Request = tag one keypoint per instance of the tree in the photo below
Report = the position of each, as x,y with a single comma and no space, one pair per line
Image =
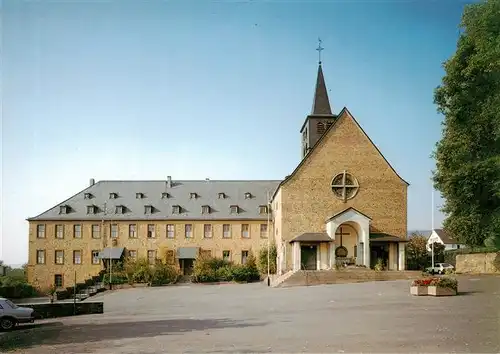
468,155
417,256
273,254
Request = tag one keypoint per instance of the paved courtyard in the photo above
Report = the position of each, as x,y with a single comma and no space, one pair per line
366,317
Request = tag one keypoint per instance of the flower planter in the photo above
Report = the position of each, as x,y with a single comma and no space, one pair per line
440,291
419,290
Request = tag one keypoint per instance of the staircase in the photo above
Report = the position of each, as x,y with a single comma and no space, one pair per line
344,276
88,288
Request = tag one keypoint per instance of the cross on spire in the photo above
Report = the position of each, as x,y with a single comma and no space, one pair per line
319,49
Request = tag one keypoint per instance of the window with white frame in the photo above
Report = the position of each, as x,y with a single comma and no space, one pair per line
245,230
40,231
244,257
151,231
59,257
151,256
96,231
188,230
59,231
113,230
77,257
132,231
40,256
226,231
95,257
207,231
77,231
263,230
170,231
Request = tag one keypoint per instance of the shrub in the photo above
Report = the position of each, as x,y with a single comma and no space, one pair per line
445,282
210,269
163,274
273,254
379,266
116,278
16,288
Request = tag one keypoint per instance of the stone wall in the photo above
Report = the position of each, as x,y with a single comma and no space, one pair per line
478,263
62,309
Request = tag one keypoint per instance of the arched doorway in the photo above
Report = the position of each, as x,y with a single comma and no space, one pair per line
346,244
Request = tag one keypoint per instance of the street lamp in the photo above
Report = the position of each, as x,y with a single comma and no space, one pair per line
105,212
268,240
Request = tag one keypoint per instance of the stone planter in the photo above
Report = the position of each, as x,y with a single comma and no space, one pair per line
419,290
440,291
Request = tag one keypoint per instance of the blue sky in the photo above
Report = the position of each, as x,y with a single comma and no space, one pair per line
196,89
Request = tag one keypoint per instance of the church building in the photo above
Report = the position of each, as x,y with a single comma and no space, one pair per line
344,204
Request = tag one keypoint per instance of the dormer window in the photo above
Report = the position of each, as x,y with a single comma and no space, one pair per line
205,209
113,195
64,209
235,209
262,209
222,195
193,195
165,195
148,209
91,209
139,195
248,195
87,196
176,209
119,209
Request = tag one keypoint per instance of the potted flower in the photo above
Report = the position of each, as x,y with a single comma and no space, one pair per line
445,286
419,286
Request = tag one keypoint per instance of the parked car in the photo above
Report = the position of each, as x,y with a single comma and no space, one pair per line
11,314
440,268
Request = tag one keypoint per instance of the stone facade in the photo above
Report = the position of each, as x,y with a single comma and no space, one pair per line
42,275
305,201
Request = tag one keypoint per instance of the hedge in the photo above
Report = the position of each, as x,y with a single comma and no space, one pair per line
451,255
211,269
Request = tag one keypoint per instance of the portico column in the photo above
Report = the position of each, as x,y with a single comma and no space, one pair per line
331,250
366,246
402,255
296,256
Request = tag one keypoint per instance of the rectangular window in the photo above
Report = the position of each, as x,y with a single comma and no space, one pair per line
77,231
40,231
151,231
77,257
245,233
96,231
132,254
95,257
59,231
58,280
188,230
59,257
40,256
226,255
113,230
263,230
170,231
226,231
207,231
244,257
132,231
151,256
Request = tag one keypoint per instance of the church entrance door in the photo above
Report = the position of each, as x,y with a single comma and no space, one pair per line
379,252
308,257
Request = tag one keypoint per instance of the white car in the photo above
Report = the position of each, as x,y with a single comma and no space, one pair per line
11,314
440,268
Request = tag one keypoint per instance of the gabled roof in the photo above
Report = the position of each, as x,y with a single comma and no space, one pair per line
445,236
308,156
345,211
162,206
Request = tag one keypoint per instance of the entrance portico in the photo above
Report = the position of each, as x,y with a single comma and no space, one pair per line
361,224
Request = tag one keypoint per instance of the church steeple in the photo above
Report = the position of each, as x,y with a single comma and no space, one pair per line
321,104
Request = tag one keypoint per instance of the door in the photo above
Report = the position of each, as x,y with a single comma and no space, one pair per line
186,266
308,257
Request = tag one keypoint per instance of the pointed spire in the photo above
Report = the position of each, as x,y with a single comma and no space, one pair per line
321,104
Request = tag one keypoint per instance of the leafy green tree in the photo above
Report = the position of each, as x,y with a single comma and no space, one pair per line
417,256
468,154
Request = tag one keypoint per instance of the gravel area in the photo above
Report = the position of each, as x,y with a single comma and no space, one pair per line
364,317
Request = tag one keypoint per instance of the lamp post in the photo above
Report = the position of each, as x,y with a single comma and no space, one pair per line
432,228
105,211
268,241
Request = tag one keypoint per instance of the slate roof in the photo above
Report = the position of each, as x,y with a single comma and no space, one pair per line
179,193
445,237
312,237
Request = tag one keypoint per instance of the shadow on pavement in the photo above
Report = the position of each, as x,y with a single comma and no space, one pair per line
56,333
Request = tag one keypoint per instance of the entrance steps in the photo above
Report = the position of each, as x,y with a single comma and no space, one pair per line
343,276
